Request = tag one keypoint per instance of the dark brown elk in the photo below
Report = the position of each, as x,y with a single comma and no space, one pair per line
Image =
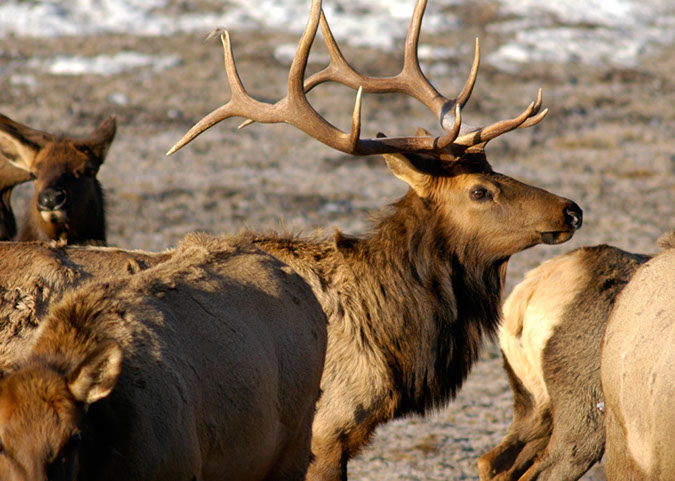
68,202
550,337
409,304
637,369
206,366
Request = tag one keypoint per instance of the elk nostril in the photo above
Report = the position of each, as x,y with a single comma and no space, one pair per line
50,199
574,216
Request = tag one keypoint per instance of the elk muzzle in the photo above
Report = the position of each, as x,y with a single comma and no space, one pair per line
573,219
52,203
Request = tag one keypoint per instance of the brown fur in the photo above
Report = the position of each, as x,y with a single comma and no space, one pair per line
68,202
35,275
637,371
550,337
223,349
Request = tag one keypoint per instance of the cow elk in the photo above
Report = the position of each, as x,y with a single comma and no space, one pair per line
550,337
409,304
68,202
205,366
637,369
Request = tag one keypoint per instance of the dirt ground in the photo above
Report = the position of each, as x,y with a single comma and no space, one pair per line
607,143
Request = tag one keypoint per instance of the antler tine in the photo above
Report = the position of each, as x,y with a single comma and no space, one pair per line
530,116
410,80
241,104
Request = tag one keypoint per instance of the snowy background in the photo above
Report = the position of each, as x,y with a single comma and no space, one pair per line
610,32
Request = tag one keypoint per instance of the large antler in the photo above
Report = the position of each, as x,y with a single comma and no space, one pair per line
296,110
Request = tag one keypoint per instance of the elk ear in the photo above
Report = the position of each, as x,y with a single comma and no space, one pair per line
403,168
20,144
98,142
97,375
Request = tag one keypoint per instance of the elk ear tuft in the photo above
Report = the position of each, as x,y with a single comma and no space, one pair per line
98,142
401,166
422,132
96,376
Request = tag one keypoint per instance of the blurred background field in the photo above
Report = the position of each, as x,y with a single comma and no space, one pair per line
606,68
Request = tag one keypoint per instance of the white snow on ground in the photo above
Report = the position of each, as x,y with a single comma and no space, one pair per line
608,32
596,32
108,64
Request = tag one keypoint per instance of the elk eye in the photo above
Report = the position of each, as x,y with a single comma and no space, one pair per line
75,440
479,193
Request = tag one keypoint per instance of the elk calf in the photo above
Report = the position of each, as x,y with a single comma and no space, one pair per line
638,373
408,304
68,202
205,366
550,337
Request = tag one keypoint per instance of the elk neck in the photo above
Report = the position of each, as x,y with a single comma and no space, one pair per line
410,289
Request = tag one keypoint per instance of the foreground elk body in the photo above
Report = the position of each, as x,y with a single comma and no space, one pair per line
550,337
205,366
35,275
638,373
408,305
68,202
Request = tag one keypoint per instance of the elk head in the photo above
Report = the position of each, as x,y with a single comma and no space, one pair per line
493,215
42,411
68,200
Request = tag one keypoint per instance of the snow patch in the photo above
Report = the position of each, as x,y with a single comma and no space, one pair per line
108,64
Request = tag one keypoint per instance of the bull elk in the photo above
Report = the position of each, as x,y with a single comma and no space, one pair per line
68,202
205,366
409,304
550,338
637,370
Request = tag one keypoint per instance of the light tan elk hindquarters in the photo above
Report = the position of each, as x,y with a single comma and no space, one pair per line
550,337
68,202
409,304
638,373
205,366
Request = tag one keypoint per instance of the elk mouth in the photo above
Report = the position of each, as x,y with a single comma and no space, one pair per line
556,237
56,216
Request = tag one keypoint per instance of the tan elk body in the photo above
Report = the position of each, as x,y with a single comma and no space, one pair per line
550,338
408,304
638,373
205,366
68,202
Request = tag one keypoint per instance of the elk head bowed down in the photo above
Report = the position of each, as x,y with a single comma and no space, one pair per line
68,202
409,304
